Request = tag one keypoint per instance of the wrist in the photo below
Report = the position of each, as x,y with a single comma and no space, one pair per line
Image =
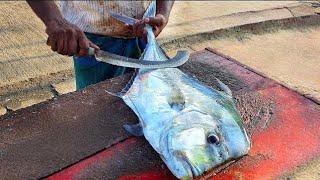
55,22
49,21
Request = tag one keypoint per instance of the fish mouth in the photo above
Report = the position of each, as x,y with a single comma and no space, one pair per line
195,171
192,170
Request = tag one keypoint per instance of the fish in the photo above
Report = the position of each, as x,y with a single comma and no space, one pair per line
193,127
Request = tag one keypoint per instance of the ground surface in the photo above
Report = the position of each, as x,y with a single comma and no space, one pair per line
279,39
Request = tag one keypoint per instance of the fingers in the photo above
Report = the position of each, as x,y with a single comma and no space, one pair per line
134,28
154,21
72,43
52,42
158,23
62,41
91,44
138,29
156,31
83,43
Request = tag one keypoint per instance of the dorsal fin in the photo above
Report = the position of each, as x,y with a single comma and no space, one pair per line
126,88
129,84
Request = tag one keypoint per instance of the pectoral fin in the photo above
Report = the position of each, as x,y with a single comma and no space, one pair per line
224,87
135,129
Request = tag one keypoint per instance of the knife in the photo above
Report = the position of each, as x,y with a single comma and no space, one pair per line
180,58
123,18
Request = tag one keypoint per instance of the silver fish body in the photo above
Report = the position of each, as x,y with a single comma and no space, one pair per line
193,127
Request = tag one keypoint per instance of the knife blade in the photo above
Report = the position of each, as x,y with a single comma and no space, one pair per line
180,58
123,18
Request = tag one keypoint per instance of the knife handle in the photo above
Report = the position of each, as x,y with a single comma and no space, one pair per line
91,51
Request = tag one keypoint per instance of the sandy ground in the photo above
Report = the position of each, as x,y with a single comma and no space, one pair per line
192,17
25,59
310,171
291,57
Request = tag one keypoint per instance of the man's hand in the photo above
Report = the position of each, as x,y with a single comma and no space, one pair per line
158,23
139,29
67,39
64,38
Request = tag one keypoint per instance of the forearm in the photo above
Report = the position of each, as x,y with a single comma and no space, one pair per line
47,11
164,7
63,37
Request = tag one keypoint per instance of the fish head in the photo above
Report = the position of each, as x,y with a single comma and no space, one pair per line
198,142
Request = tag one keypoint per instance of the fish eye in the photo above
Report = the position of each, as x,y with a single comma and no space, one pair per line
213,139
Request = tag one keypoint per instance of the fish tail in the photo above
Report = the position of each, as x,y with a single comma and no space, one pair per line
151,10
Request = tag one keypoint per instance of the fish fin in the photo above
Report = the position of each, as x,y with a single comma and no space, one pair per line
153,51
135,129
224,87
129,84
162,52
118,94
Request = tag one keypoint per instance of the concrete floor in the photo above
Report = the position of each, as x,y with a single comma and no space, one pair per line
193,17
25,60
291,57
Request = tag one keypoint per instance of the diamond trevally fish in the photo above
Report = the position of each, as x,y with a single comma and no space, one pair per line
193,127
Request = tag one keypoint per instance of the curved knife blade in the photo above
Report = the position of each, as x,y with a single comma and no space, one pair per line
180,58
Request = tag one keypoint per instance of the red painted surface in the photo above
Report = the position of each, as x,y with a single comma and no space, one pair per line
291,138
74,170
150,175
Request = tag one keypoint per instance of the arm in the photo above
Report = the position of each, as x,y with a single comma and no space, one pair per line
63,37
162,16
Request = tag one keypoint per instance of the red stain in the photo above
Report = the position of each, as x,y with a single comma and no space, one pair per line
72,171
291,139
150,175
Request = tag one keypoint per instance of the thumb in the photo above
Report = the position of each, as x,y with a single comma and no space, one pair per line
91,44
